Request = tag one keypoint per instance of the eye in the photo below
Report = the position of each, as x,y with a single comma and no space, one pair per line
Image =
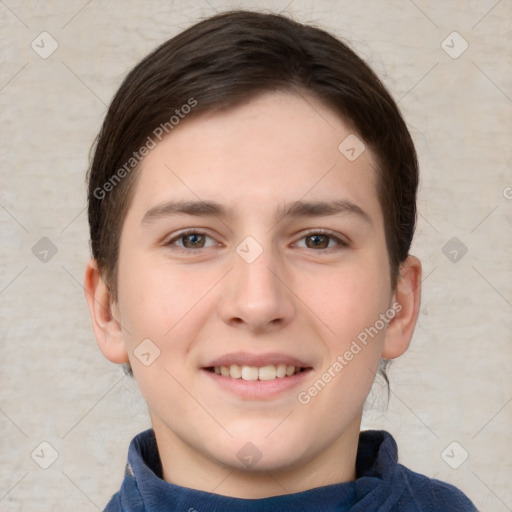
321,239
190,240
195,239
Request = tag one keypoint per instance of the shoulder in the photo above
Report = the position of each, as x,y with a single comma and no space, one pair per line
114,505
423,494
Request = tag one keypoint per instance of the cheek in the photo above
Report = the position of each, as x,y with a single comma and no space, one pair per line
164,302
158,304
351,306
155,300
349,298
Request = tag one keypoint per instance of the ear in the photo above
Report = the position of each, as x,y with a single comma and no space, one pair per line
103,311
406,303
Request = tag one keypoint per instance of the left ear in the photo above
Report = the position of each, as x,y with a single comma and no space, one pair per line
406,303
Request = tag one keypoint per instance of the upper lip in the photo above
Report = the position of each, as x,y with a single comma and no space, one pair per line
259,360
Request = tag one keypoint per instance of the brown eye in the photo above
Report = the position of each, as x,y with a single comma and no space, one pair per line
193,240
317,241
321,240
190,240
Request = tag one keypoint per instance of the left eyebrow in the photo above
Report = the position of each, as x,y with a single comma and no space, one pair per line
322,209
293,209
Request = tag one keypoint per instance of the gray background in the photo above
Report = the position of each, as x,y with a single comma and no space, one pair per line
454,383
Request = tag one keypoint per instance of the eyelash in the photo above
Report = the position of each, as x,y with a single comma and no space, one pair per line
342,244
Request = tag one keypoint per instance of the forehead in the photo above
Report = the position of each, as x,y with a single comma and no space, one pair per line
275,149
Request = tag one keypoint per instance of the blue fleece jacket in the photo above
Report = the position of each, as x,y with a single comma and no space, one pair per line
382,485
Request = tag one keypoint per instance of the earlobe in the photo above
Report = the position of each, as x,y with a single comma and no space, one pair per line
407,299
106,326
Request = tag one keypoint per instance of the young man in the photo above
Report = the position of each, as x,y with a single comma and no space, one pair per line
252,204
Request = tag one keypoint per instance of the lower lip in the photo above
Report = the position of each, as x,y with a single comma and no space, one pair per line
259,389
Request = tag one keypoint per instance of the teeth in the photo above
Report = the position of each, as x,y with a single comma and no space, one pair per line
235,371
268,372
281,370
248,372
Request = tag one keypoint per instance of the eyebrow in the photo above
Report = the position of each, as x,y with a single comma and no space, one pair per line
293,209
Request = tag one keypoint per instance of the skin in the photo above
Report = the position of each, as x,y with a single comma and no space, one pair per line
296,298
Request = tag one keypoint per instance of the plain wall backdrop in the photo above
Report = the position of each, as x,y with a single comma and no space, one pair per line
447,63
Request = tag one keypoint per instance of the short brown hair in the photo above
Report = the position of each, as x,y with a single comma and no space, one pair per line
228,59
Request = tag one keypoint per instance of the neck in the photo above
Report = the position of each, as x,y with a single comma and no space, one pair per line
186,466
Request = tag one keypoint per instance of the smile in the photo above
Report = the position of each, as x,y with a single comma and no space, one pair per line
261,376
267,372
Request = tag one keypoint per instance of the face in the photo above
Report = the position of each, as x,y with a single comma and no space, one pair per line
280,269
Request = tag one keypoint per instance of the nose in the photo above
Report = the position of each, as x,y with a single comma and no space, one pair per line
256,295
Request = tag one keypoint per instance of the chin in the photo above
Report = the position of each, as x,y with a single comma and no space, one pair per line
263,450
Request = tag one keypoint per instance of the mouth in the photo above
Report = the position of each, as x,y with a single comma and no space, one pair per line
251,373
257,376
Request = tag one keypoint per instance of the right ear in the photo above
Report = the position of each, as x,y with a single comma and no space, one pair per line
107,328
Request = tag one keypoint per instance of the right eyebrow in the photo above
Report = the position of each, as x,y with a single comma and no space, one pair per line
195,208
